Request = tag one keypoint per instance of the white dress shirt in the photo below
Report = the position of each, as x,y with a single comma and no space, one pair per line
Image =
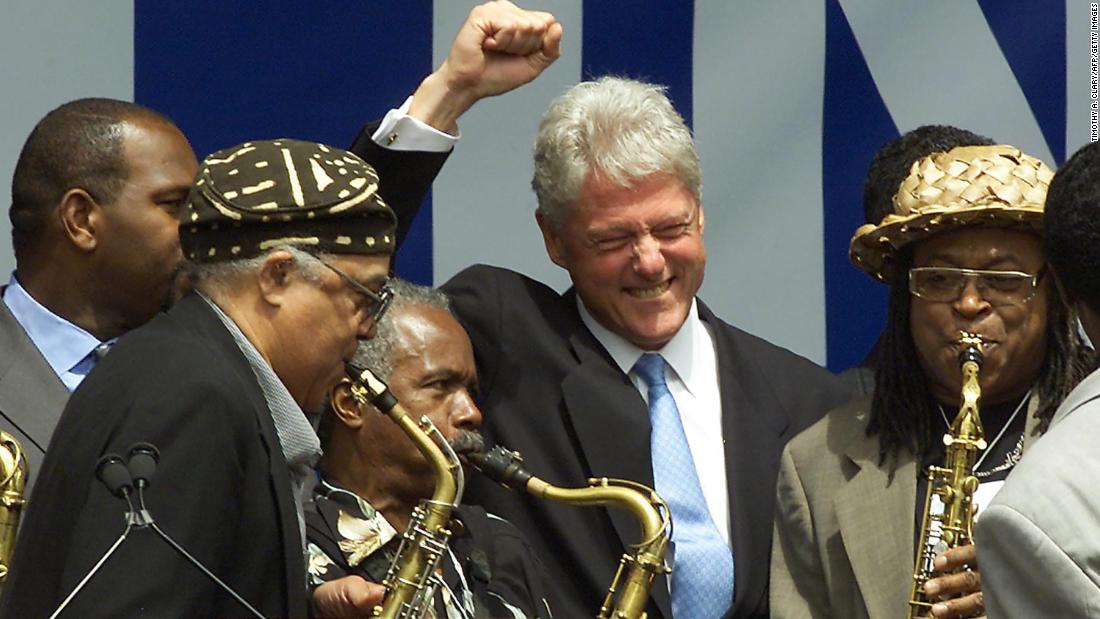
399,131
692,376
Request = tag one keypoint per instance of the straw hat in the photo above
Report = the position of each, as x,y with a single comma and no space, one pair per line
994,186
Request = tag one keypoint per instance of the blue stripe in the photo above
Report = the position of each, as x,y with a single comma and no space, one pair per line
228,72
856,124
1032,37
654,45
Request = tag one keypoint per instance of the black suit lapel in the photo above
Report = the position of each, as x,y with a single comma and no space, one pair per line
612,425
751,435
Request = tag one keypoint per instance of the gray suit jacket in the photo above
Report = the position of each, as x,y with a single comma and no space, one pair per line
844,530
31,395
1039,540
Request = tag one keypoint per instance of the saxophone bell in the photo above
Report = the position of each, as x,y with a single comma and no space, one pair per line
13,480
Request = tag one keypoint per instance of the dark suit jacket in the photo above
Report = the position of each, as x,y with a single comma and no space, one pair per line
221,489
552,392
31,395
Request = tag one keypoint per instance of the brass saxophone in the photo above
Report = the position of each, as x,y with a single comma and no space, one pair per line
954,482
412,579
636,570
13,479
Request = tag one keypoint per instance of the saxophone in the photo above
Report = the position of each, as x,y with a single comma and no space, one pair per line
954,482
13,478
412,579
636,570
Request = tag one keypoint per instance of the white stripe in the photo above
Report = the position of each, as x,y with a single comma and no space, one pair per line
292,174
483,207
937,62
758,120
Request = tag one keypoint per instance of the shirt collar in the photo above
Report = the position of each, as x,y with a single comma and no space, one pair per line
679,353
61,343
356,507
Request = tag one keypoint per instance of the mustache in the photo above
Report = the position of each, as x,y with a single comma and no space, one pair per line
468,441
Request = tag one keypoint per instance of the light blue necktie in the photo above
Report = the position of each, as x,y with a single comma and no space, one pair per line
702,577
85,365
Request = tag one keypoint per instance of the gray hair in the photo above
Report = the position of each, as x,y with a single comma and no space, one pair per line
377,352
623,129
218,278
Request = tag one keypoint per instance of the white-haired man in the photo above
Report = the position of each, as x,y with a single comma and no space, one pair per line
580,382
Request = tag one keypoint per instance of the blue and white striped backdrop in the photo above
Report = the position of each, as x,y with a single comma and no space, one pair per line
788,99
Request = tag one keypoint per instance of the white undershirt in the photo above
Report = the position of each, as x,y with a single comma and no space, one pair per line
692,376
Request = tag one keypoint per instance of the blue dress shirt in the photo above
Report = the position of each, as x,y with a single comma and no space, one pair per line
67,348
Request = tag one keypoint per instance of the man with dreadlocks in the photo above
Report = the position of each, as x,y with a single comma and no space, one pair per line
962,251
888,169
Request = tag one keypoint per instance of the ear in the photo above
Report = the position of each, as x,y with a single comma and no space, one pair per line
274,277
555,248
81,217
346,408
701,219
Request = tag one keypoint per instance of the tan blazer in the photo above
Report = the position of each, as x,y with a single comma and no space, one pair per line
844,527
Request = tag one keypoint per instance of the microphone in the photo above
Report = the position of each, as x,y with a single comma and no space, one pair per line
144,458
121,478
112,471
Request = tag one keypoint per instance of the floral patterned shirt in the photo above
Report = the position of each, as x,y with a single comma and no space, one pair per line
489,571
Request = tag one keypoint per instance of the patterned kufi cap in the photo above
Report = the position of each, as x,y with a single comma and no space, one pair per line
258,195
989,186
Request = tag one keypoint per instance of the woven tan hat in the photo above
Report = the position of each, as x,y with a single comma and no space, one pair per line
994,186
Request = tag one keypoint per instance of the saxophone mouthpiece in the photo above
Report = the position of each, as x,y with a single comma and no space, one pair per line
970,348
354,370
502,466
372,388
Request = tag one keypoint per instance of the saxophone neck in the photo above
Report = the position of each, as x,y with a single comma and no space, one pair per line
968,424
411,581
629,591
368,388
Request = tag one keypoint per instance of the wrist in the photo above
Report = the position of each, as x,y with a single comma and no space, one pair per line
438,104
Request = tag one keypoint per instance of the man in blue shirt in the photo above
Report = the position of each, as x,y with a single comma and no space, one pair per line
95,199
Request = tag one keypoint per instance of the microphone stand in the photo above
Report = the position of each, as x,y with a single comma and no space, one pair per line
116,476
99,564
143,519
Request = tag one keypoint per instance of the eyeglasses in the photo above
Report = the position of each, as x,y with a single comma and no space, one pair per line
946,284
376,302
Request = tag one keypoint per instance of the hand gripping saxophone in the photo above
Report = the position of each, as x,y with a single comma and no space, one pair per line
413,578
954,483
13,478
640,567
